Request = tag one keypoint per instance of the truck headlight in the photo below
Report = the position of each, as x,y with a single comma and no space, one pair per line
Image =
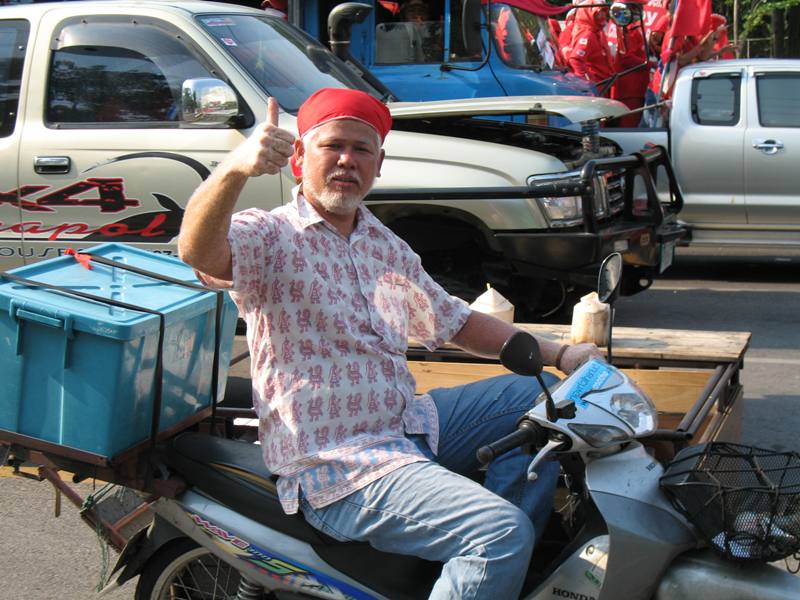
564,211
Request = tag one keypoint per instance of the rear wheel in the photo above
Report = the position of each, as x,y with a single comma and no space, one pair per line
182,570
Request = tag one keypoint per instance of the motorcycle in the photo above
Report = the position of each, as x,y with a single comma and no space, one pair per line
617,535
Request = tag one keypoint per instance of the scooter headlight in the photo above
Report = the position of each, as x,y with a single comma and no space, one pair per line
636,411
600,436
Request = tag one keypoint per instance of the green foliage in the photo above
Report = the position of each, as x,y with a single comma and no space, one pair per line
760,12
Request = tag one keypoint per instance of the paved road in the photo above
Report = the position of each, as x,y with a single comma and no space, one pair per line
44,558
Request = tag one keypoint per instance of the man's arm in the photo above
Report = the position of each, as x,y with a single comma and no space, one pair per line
484,335
203,241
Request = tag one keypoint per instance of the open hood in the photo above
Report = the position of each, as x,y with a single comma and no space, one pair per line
573,108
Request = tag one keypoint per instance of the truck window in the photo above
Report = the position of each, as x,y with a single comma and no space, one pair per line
13,39
113,70
287,63
715,99
777,99
414,35
522,39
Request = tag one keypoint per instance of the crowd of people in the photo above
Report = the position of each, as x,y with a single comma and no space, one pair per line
628,62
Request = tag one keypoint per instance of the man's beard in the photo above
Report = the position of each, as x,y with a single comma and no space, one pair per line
336,202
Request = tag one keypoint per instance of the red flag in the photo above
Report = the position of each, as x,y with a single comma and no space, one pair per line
691,18
392,7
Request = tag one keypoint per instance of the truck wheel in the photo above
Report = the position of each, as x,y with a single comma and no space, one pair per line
182,570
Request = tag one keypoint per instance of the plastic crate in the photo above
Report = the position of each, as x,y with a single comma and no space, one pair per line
82,374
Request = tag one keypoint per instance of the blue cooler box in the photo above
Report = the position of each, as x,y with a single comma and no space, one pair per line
81,374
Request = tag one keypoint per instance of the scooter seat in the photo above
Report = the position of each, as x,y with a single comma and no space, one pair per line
233,473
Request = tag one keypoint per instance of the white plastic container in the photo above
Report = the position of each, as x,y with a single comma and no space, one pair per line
493,303
590,321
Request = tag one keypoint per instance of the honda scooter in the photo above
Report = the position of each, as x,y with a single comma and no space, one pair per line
622,533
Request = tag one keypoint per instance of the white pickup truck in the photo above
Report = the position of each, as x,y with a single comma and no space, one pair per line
111,113
734,140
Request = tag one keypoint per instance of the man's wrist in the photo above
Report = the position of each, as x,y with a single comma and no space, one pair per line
559,356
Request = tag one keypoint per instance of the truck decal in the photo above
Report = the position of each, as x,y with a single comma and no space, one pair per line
111,196
197,166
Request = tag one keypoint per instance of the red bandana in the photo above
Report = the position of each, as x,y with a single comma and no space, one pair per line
330,104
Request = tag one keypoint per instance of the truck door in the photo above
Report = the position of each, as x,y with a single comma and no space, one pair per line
107,147
13,45
707,128
772,149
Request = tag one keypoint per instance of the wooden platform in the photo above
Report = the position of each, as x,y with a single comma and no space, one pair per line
691,376
641,346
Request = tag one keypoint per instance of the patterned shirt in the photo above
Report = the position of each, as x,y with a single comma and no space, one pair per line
328,320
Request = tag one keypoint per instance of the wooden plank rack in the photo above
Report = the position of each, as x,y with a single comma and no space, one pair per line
693,377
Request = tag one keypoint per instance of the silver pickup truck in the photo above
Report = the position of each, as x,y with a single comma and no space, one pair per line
734,140
111,113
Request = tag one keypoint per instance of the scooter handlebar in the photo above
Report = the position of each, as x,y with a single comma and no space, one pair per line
528,432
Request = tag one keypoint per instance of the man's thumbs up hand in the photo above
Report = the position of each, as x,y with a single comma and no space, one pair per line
268,148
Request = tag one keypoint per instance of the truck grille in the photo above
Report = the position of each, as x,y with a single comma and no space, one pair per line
615,187
609,191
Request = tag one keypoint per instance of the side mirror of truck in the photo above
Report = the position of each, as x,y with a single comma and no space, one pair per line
471,27
207,101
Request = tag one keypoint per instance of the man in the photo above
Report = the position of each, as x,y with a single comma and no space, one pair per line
330,296
589,56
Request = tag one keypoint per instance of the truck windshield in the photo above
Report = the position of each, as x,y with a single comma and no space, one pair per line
522,39
287,63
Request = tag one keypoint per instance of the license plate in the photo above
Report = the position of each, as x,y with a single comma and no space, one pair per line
667,254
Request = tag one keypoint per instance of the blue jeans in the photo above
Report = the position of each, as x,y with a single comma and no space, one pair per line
484,535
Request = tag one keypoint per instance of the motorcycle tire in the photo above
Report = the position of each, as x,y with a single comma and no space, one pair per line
183,570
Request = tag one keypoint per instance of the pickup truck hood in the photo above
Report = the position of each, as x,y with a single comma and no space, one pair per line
574,108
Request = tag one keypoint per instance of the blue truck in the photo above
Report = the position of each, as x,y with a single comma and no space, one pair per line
455,49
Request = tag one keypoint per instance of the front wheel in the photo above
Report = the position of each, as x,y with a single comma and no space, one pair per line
182,570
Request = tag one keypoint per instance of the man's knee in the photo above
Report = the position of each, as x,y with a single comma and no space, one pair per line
515,535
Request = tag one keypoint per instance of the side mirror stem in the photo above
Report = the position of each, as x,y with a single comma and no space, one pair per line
550,405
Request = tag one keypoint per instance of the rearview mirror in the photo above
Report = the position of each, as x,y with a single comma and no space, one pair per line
609,277
521,355
471,27
207,101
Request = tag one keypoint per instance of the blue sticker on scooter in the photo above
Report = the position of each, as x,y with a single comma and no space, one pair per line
593,377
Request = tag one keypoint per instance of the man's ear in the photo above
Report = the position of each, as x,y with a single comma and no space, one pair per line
380,162
299,151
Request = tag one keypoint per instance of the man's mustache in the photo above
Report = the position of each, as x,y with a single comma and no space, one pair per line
346,175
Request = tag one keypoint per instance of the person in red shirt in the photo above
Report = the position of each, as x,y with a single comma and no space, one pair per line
565,37
723,49
276,8
630,89
588,55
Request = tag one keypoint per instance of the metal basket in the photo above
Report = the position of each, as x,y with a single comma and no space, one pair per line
744,501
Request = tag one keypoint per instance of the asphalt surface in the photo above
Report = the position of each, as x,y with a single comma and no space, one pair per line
45,558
